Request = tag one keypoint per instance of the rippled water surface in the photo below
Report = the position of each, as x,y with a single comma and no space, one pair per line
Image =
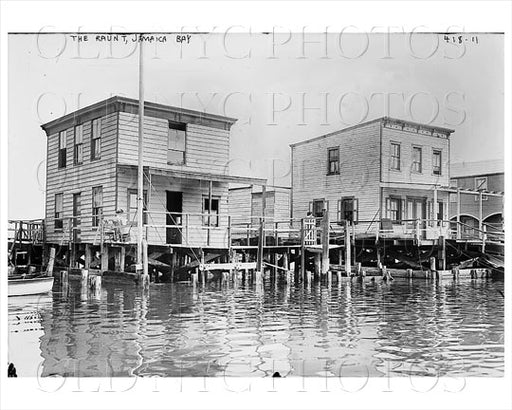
400,328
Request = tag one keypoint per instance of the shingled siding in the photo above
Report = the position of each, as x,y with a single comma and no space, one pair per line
359,152
81,179
207,148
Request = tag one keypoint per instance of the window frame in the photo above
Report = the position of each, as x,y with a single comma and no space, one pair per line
324,206
392,156
355,210
145,205
59,215
399,210
77,144
440,152
417,148
484,197
177,126
62,151
207,219
96,138
337,161
97,212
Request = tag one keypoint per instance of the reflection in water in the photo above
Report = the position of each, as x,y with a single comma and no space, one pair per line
348,328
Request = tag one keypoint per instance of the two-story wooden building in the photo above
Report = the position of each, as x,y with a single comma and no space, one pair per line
381,170
91,178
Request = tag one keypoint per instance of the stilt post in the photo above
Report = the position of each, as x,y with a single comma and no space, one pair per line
348,246
325,242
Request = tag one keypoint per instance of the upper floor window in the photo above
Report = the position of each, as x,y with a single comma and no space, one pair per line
348,209
78,149
97,205
96,139
59,222
176,142
395,156
333,161
436,162
416,159
210,216
481,183
62,149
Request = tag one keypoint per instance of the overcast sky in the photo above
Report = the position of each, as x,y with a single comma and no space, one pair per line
265,81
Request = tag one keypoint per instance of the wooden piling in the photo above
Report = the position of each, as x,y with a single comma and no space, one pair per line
51,262
318,264
348,267
84,277
104,258
88,256
442,253
95,283
259,256
433,263
302,249
325,243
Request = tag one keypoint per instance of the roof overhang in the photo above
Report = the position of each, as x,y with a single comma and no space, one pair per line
201,176
440,188
130,105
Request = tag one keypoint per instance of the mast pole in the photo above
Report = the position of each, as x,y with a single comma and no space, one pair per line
140,178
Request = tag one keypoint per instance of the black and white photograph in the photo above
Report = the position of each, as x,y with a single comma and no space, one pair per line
229,205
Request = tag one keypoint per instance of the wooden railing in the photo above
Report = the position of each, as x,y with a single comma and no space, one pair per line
26,231
237,230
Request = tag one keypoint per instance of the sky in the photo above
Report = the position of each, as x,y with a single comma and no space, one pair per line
282,88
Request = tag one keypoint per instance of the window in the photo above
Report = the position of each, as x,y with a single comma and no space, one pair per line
318,206
481,185
348,210
212,219
96,139
395,156
436,162
416,159
77,210
132,206
59,222
78,150
333,161
176,141
62,149
394,209
97,205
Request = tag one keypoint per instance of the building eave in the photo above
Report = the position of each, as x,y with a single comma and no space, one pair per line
129,105
382,120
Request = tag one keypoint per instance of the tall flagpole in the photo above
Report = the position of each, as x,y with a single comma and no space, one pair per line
140,190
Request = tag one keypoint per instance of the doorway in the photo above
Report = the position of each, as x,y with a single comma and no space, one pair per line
417,209
174,208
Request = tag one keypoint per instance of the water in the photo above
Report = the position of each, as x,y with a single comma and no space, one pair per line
406,327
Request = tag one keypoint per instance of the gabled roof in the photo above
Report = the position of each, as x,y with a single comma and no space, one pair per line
130,105
475,168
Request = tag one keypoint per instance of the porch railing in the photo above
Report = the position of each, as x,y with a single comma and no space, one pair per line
198,229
